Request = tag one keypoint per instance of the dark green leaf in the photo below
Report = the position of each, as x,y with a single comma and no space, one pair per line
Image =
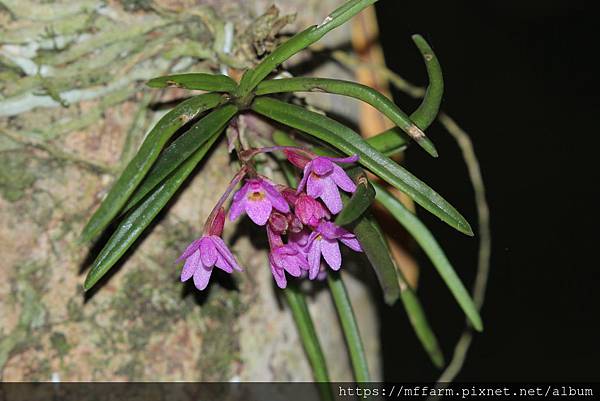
355,90
199,81
145,157
389,142
376,250
310,340
426,240
300,41
349,327
350,143
360,201
181,148
132,226
375,247
430,106
421,326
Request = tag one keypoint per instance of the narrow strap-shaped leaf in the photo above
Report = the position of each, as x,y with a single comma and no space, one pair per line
350,143
377,252
132,226
420,325
360,201
349,327
355,90
181,148
389,142
300,41
373,241
310,340
430,106
199,81
426,240
145,157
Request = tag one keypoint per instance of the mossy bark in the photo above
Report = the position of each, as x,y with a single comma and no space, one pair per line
73,109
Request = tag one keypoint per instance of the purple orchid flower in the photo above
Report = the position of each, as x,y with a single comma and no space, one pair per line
286,259
257,198
322,177
202,255
309,210
324,241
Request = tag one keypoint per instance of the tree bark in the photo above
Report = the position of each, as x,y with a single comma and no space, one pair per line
73,110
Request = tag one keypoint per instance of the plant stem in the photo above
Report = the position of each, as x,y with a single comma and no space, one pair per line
349,327
310,340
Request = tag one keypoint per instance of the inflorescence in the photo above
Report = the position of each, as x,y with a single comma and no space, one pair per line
297,220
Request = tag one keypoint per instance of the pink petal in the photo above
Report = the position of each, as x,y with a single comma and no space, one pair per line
331,196
306,174
314,259
322,166
342,180
277,200
352,243
279,277
241,193
237,207
315,185
208,252
226,253
350,159
222,264
201,277
331,252
190,266
191,248
259,211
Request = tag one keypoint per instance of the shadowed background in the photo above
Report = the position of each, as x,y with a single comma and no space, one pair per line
520,79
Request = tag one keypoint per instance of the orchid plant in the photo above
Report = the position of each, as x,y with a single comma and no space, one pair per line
306,220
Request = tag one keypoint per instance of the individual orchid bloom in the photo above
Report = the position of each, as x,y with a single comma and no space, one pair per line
299,240
309,210
202,255
322,177
286,259
324,241
257,198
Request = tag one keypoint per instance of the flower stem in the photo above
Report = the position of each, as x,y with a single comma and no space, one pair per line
310,340
234,181
349,327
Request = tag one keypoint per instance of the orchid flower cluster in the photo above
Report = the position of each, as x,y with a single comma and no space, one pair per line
297,220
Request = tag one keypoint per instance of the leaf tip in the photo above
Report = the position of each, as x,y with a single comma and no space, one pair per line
477,323
465,228
438,360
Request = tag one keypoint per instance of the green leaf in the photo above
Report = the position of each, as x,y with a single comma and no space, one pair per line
376,249
310,340
350,143
349,327
388,142
426,240
300,41
430,106
360,201
199,81
355,90
181,148
420,325
132,226
145,157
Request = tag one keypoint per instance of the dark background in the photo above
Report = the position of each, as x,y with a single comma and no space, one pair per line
520,79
